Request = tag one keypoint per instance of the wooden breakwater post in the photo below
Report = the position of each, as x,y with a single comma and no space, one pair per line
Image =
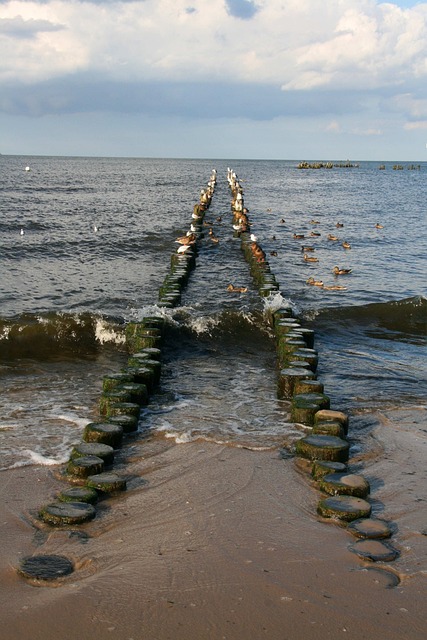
325,450
89,470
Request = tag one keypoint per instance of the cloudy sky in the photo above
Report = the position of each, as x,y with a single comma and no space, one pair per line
286,79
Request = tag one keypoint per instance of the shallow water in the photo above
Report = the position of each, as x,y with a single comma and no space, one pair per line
97,239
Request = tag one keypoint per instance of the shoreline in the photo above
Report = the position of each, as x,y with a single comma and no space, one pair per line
213,542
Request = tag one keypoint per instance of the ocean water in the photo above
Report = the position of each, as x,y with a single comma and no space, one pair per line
85,244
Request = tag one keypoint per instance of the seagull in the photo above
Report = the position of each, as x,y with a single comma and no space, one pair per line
183,248
253,238
22,232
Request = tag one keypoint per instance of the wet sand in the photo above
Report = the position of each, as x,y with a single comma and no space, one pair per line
213,542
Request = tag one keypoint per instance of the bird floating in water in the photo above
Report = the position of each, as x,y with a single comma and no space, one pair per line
22,232
379,226
254,238
308,258
273,253
282,221
332,237
315,283
236,289
212,236
306,249
27,169
334,287
339,225
315,233
346,245
298,236
341,272
314,222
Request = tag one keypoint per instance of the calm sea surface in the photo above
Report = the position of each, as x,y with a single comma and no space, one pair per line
86,242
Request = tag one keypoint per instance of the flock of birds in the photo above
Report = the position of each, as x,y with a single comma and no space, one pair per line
309,256
241,224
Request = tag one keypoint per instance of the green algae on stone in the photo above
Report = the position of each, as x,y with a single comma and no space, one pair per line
320,447
346,508
129,424
343,483
325,415
104,432
112,380
289,378
303,412
320,399
107,483
321,468
332,428
118,394
307,385
78,494
85,466
124,408
64,513
138,392
99,449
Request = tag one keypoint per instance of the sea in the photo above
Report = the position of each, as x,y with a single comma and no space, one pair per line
85,244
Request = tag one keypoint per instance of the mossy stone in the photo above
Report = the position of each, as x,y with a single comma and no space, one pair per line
325,415
303,412
321,468
125,408
112,380
309,355
107,483
153,352
65,513
129,424
329,429
84,466
79,494
112,397
144,375
320,399
346,508
138,392
289,378
343,483
103,451
307,385
104,432
320,447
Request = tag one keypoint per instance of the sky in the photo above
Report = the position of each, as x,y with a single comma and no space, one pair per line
231,79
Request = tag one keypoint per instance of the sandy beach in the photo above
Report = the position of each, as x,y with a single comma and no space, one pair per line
213,542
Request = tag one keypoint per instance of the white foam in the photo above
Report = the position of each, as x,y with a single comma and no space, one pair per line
39,458
105,333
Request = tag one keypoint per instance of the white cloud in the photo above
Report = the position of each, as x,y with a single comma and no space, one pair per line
298,45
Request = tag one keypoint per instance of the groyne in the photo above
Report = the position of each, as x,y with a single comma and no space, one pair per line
323,452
